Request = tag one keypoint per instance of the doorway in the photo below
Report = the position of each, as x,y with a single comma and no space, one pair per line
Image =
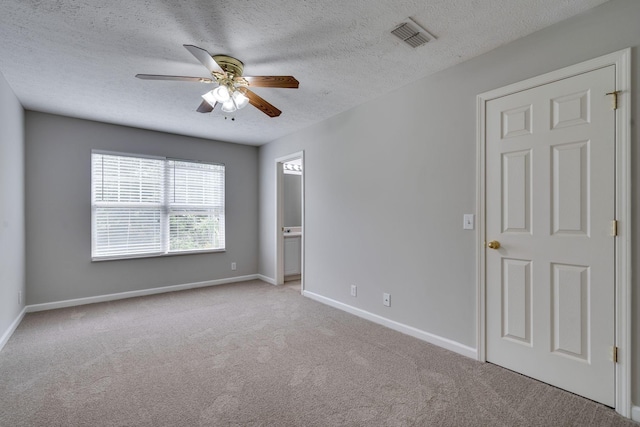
289,227
554,261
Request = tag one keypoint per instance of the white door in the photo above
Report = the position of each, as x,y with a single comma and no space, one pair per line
550,187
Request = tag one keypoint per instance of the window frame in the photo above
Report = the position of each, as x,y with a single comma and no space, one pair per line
164,206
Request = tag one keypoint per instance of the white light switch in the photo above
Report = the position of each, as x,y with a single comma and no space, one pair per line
468,221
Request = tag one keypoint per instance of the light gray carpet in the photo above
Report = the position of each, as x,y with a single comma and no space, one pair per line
252,354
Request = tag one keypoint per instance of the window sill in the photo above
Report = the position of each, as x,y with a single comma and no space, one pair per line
158,255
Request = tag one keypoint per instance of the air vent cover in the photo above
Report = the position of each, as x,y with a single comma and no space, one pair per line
412,34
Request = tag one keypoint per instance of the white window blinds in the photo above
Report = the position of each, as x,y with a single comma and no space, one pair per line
196,205
150,206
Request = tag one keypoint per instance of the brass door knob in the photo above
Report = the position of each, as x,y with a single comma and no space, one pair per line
494,244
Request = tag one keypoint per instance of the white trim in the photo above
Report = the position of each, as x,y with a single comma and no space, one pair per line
635,413
624,262
615,58
156,255
446,343
302,222
622,60
269,280
132,294
480,231
126,154
279,239
12,328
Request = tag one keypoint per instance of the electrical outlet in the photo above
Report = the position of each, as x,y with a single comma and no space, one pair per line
233,266
19,297
354,290
386,300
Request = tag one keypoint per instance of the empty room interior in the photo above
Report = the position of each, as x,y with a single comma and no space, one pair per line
319,213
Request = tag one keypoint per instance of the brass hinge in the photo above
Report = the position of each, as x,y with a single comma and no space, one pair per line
614,99
614,354
614,228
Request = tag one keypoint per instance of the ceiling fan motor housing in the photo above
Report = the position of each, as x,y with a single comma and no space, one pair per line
229,64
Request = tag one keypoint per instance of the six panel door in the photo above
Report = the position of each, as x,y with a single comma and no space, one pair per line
550,186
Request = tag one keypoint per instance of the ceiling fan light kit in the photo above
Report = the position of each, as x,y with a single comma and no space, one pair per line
233,91
235,102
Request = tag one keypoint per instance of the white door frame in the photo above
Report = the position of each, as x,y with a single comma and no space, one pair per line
623,264
279,238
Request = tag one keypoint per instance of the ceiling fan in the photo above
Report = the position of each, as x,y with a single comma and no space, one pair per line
233,91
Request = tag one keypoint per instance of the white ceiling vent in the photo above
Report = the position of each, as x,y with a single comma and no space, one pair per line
412,33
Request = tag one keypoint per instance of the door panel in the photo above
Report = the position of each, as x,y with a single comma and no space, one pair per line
516,300
570,188
550,186
516,191
570,301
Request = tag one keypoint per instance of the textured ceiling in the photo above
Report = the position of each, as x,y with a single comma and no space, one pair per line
79,57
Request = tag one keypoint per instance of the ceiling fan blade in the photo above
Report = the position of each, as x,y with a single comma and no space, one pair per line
273,81
175,78
205,107
204,57
261,104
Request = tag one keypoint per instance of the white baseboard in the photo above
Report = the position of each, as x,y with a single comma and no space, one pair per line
131,294
14,325
400,327
635,413
267,279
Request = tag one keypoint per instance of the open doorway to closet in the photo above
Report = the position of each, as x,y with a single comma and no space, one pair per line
290,219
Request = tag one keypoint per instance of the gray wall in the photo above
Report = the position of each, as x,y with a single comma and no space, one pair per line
12,232
292,200
394,224
58,210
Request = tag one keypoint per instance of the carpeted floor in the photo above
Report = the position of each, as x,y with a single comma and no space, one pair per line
251,354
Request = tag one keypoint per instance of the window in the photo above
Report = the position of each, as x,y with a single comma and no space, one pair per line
149,206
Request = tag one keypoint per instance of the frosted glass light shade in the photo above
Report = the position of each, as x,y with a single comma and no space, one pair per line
240,100
228,106
221,94
210,98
